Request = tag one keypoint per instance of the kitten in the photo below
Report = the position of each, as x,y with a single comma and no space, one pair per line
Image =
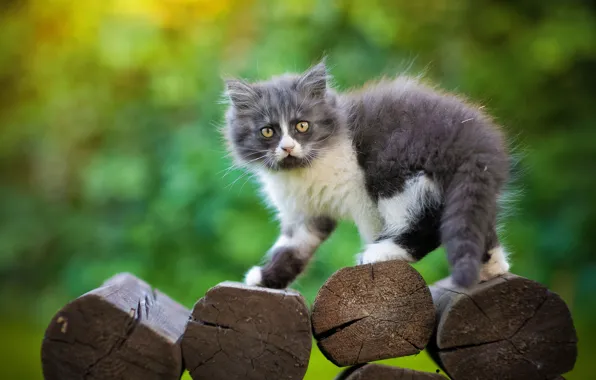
412,167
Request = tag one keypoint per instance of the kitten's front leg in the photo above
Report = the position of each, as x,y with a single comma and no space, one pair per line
292,251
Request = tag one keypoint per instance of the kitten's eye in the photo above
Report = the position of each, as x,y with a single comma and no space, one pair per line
302,126
267,132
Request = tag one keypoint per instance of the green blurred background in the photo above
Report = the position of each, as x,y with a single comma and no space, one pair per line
111,160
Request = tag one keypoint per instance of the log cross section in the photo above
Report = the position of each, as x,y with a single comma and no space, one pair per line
373,312
242,332
507,328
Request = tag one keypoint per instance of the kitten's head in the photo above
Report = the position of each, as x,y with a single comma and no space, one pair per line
283,123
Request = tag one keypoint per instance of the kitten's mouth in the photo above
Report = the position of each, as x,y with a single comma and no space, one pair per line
291,162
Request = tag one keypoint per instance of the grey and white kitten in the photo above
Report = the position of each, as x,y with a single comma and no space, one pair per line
412,167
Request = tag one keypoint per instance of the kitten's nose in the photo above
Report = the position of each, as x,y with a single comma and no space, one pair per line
288,147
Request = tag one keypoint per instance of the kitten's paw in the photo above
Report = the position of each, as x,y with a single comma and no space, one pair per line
359,259
254,277
371,257
383,251
496,265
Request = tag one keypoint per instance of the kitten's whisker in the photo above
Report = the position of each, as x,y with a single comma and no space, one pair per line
227,171
245,182
243,175
258,158
231,168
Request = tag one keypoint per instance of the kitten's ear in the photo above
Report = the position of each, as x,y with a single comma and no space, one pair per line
314,81
241,94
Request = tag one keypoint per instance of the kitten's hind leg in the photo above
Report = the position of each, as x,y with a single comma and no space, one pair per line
412,220
495,261
384,250
411,245
496,265
292,251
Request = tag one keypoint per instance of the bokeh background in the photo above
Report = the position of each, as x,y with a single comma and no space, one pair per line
111,160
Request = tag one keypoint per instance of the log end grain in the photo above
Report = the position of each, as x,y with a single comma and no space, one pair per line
507,328
373,312
242,332
384,372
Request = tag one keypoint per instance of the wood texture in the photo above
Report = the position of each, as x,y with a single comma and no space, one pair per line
506,328
384,372
241,332
122,330
373,312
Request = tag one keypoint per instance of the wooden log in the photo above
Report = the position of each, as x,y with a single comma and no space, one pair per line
122,330
242,332
384,372
373,312
506,328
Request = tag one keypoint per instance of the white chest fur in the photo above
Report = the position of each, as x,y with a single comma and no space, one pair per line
333,186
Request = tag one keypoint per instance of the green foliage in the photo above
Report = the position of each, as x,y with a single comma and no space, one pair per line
111,159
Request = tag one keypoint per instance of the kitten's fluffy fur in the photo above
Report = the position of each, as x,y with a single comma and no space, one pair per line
412,167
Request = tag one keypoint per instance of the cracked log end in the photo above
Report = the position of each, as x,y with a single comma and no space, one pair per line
384,372
373,312
242,332
506,328
121,330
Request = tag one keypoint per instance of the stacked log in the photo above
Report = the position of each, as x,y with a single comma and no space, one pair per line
507,328
121,330
242,332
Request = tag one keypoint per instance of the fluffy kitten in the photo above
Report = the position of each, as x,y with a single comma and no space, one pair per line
413,168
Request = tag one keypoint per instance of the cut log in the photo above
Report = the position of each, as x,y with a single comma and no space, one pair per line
242,332
373,312
122,330
384,372
506,328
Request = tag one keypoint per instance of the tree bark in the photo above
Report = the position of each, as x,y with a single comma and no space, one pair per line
122,330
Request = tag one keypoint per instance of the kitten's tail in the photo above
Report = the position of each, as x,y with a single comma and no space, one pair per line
469,213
